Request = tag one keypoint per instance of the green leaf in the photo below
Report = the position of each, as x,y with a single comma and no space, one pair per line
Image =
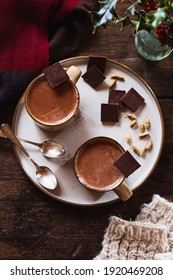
136,24
142,23
125,21
153,19
106,13
132,9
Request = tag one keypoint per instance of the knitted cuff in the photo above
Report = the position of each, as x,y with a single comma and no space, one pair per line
164,256
133,240
159,211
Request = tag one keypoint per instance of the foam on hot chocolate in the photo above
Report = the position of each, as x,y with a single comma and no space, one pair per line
52,105
95,164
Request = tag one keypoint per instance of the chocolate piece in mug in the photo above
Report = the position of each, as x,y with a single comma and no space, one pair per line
127,164
109,113
93,76
133,100
55,74
98,61
115,97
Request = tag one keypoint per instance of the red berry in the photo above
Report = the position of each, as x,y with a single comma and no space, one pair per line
162,31
150,5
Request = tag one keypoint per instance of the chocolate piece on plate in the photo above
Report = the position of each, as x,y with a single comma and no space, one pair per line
115,96
55,74
109,113
133,99
93,77
98,61
127,164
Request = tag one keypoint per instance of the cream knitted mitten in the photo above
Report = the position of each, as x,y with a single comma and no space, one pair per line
159,211
133,240
150,236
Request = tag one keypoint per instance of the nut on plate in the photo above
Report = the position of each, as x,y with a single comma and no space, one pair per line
131,116
112,83
136,150
128,138
133,123
149,145
142,128
143,135
143,151
117,77
147,123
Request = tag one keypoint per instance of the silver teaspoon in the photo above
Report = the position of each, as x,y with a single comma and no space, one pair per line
44,175
49,148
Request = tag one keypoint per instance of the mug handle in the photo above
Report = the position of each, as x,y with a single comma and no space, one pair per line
123,191
74,74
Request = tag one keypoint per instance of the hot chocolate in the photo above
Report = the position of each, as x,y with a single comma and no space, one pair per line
94,164
51,106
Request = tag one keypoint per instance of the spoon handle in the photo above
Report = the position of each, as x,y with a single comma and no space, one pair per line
30,142
3,135
6,129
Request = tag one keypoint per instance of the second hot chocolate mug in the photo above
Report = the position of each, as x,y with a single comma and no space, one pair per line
94,166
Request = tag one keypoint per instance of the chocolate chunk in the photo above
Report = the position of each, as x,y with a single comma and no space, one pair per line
109,113
98,61
55,74
93,77
127,164
133,99
115,96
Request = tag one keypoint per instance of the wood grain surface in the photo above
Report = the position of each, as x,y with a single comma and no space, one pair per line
33,226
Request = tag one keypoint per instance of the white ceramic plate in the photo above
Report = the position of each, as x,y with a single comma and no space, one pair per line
88,125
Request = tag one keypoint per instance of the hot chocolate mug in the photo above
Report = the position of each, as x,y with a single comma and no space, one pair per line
94,166
53,108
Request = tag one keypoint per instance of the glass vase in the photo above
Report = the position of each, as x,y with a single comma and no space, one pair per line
149,46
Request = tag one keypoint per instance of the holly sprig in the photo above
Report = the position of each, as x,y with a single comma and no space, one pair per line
107,14
151,15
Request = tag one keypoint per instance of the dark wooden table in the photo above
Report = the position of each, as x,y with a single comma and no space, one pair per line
32,225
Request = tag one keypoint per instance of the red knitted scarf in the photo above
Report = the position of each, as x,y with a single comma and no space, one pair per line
23,31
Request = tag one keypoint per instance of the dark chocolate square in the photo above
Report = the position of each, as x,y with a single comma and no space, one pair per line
93,77
133,99
55,74
109,113
115,96
127,164
98,61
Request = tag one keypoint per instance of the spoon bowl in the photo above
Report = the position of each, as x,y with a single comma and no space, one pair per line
49,147
46,178
44,175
